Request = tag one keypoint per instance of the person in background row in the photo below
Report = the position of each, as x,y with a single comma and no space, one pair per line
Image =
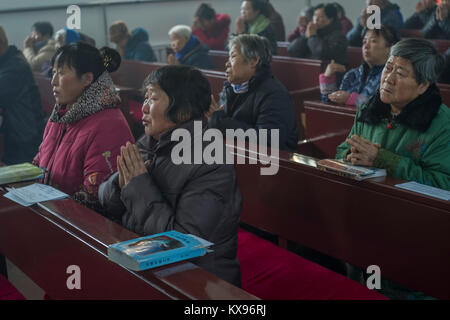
323,39
346,23
66,36
438,25
404,127
20,102
187,49
253,20
150,193
304,19
445,75
276,21
39,47
361,83
131,46
252,97
63,37
390,16
210,28
424,10
86,129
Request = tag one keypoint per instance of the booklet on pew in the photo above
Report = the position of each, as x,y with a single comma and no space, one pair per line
157,250
20,172
346,169
34,193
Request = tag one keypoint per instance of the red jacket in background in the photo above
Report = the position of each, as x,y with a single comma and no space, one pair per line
216,36
346,24
80,146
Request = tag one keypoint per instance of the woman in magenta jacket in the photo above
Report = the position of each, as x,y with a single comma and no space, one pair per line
86,129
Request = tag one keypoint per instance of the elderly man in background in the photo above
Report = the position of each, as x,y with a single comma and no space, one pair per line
187,49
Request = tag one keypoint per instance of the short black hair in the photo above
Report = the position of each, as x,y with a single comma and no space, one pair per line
44,28
389,34
259,5
205,11
83,58
339,8
329,9
188,90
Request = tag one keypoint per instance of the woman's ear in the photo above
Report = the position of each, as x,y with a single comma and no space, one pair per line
423,87
254,62
87,78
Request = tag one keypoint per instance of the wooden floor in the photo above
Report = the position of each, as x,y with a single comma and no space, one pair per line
24,284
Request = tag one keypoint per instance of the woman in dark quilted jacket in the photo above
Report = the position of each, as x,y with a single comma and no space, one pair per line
153,192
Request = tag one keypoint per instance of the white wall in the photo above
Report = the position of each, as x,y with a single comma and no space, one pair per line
156,17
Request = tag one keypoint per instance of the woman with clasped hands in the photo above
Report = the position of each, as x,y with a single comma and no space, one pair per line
404,127
152,192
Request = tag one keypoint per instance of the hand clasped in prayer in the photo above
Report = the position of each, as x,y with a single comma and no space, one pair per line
130,164
363,152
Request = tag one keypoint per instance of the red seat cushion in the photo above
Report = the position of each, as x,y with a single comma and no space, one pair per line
272,273
8,291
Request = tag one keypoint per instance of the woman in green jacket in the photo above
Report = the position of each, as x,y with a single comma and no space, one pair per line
405,128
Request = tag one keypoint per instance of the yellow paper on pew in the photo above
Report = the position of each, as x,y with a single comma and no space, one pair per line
20,172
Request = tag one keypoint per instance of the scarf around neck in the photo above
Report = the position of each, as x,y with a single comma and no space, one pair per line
100,95
240,88
417,115
259,25
192,42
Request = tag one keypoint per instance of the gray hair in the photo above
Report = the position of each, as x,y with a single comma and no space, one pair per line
253,46
181,31
427,62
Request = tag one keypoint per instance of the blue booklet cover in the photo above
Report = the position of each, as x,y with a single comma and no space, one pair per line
157,250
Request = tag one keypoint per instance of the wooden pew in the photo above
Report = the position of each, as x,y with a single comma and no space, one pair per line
445,93
298,97
327,125
46,93
411,33
294,73
282,47
364,223
441,45
355,57
355,53
43,244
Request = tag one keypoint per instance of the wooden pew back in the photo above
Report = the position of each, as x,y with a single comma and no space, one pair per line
294,73
355,56
364,223
282,47
46,93
50,241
